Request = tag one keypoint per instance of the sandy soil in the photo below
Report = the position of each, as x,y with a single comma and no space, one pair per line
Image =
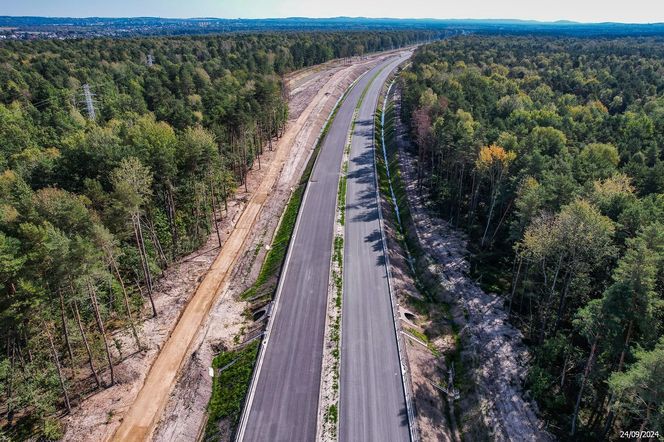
93,420
426,367
492,345
313,94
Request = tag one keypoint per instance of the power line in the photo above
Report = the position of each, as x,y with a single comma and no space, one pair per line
88,102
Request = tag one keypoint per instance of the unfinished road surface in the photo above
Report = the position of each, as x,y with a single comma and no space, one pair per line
282,404
373,404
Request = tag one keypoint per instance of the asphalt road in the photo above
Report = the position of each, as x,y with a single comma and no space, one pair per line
373,404
283,400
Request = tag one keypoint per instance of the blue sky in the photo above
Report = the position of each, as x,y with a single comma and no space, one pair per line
633,11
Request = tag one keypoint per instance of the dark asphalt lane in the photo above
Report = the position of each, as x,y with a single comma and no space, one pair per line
283,400
373,403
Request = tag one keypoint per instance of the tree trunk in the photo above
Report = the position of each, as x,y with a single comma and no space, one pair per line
596,415
155,240
245,170
100,324
138,233
114,265
494,197
27,347
646,421
474,191
65,330
138,237
515,281
196,211
563,374
561,306
170,212
628,338
545,311
226,192
460,197
87,346
502,219
621,362
214,213
10,380
586,372
57,366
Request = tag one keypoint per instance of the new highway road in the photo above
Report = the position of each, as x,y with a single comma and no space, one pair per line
282,403
373,404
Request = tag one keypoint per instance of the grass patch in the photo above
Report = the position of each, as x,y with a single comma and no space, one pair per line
343,181
418,334
267,279
229,387
332,414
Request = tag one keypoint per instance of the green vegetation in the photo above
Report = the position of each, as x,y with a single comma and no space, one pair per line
342,194
418,334
229,387
267,279
332,414
549,152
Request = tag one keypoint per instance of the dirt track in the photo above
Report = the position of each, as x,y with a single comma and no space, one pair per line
140,419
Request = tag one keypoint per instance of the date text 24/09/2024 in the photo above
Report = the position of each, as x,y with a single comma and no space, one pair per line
638,434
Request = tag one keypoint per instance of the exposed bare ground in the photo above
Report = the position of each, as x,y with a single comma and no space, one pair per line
425,359
494,346
100,415
97,416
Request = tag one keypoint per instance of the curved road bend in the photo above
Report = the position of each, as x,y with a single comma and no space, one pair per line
373,403
283,398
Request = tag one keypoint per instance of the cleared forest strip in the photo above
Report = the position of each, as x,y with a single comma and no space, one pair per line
226,325
142,416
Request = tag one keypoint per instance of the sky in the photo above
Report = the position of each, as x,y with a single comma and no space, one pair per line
626,11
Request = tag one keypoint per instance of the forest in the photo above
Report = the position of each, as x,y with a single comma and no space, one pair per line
549,153
96,203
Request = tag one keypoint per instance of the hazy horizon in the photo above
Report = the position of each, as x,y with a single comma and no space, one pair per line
210,17
592,11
